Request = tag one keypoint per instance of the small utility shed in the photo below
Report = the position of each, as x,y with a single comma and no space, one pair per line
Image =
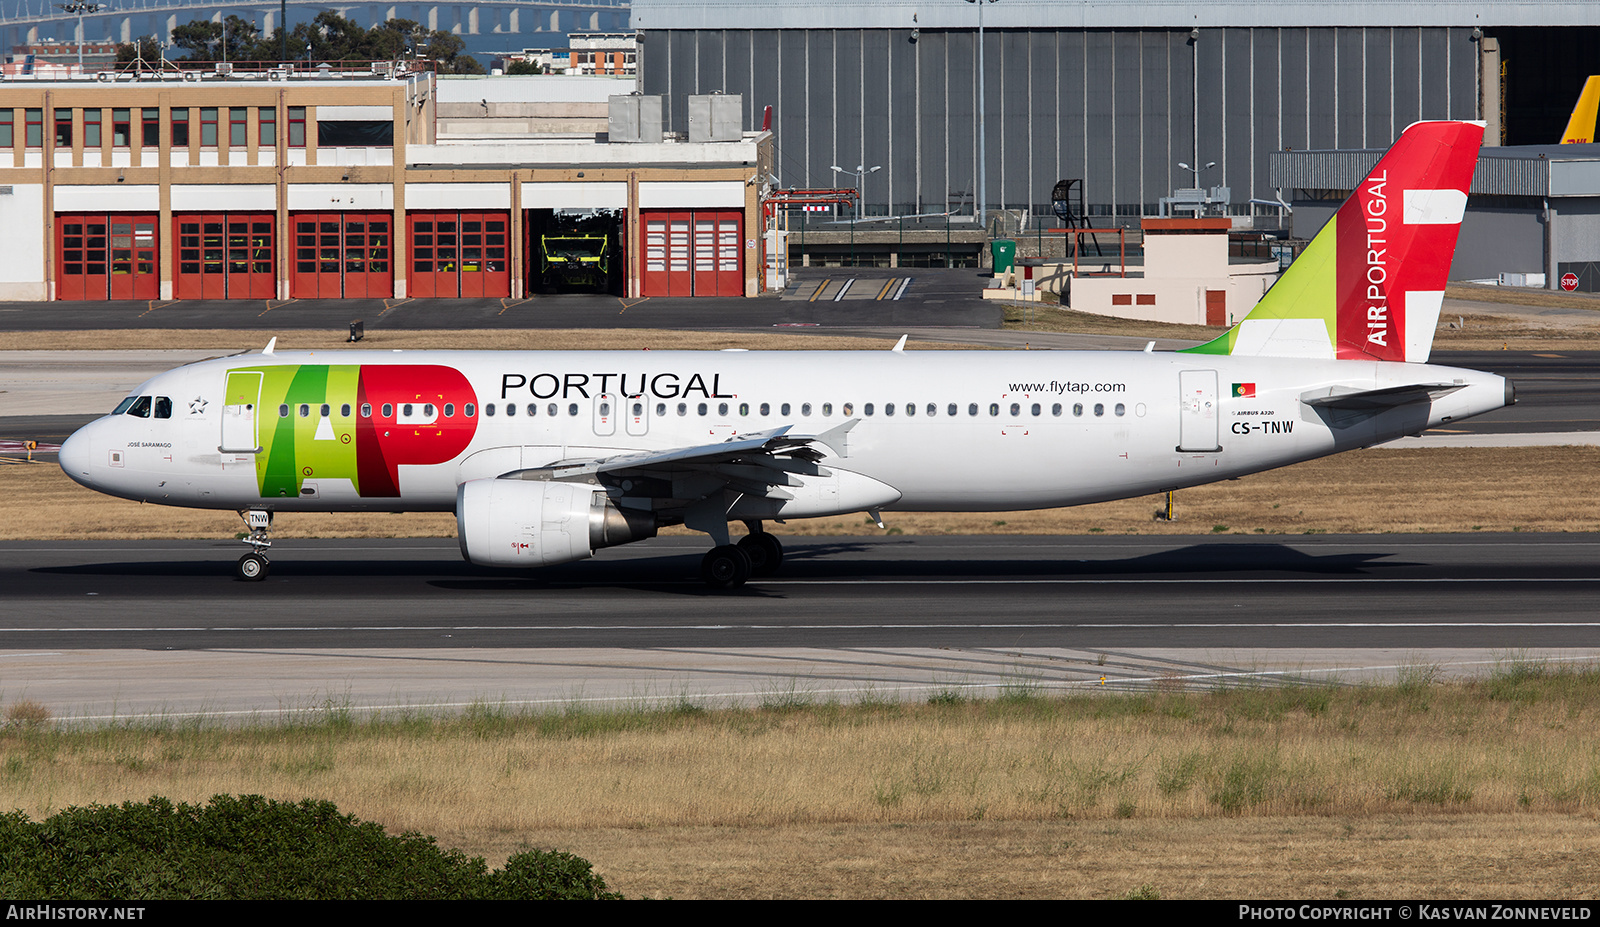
1187,278
1532,209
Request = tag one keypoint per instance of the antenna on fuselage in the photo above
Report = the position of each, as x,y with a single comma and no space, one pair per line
270,345
901,344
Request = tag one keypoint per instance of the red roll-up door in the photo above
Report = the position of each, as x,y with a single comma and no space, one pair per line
729,263
692,253
342,255
106,257
460,254
133,258
201,271
485,254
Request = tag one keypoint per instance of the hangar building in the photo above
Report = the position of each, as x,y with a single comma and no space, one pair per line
1115,92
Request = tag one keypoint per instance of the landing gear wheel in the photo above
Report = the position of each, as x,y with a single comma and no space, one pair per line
252,568
725,567
765,553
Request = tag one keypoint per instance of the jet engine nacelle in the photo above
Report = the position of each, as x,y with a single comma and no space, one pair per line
531,523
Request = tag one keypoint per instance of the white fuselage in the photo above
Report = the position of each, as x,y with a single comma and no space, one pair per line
949,431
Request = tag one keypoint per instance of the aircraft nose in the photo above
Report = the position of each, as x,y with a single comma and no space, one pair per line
74,456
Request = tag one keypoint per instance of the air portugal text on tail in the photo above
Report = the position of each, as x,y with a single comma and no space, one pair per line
1370,285
547,457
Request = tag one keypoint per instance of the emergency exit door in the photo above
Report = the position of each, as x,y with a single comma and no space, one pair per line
1197,412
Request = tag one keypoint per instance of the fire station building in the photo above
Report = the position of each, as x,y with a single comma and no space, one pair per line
281,183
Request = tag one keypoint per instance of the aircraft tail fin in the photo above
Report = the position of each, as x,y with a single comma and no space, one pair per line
1580,128
1371,283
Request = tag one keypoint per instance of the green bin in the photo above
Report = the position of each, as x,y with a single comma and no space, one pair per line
1004,252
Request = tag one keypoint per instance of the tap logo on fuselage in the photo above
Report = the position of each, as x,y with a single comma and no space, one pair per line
356,422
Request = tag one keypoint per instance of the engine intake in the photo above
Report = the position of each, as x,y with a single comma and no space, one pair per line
531,523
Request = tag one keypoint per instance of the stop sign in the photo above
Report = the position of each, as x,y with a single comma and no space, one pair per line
1569,282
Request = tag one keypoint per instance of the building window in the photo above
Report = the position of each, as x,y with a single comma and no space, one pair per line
7,125
238,126
35,128
180,128
377,133
119,127
297,127
208,127
91,128
268,119
63,128
151,119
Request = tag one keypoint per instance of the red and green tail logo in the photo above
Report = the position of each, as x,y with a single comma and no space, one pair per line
1370,285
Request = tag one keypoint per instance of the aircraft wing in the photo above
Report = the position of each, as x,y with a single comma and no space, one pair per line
756,463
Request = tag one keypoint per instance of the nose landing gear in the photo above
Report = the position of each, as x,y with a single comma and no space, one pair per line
253,567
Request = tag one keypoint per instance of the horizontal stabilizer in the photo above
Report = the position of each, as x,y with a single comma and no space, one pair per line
1372,399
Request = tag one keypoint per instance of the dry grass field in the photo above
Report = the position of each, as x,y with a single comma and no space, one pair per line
1481,790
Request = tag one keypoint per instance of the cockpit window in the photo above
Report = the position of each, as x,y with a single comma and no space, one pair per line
163,407
140,407
124,404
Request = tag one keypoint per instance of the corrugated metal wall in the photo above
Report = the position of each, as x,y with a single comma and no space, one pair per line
1114,107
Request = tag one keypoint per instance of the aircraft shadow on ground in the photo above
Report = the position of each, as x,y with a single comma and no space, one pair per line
677,572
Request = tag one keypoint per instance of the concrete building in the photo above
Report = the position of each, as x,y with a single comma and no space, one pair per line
280,183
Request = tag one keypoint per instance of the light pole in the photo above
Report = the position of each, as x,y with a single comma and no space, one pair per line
1196,170
978,207
80,7
861,171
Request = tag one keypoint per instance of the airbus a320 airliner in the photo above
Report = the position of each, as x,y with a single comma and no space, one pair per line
546,457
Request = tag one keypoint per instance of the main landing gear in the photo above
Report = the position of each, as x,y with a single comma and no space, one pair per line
253,567
728,566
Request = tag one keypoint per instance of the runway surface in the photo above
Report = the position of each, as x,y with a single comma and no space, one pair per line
130,628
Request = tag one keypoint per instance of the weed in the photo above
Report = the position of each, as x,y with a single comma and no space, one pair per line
1246,782
1175,775
1145,892
27,714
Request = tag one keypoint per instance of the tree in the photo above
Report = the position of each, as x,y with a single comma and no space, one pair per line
145,46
